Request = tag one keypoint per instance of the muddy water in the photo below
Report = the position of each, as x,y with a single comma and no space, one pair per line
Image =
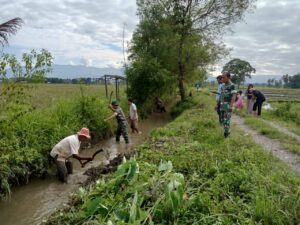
30,203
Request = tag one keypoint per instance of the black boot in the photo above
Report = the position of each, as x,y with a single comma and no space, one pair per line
226,135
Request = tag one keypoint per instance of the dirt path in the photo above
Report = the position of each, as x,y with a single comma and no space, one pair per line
283,130
270,145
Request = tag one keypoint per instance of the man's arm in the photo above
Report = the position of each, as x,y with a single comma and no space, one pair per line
135,114
232,101
111,108
80,158
109,118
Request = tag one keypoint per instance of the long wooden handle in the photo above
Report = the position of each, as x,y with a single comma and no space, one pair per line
93,156
111,93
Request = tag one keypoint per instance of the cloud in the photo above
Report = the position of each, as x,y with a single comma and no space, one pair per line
77,31
89,32
268,38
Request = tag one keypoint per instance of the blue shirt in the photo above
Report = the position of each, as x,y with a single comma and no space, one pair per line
219,92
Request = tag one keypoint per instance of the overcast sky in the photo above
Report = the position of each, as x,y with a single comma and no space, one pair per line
89,32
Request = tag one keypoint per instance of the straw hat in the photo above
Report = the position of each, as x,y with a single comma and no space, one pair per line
84,132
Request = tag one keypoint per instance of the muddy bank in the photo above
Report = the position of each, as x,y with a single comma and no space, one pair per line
31,203
94,173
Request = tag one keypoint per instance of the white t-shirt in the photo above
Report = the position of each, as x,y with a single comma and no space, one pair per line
133,112
66,148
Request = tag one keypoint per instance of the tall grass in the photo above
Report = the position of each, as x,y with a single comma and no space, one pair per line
26,142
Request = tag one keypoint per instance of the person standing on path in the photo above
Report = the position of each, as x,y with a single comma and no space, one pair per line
133,117
220,84
259,98
227,99
239,104
121,119
250,101
67,148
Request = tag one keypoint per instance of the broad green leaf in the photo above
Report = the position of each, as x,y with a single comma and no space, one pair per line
165,166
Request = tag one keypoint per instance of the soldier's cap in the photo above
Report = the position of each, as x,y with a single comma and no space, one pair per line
219,77
114,102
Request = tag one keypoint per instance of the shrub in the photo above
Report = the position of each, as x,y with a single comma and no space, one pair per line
25,143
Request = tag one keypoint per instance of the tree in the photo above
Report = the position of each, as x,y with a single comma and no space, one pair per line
239,69
8,28
191,26
278,83
286,80
291,81
14,94
295,81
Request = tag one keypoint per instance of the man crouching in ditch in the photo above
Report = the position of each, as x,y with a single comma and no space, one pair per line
67,148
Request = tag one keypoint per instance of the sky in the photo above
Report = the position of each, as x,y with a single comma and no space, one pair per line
90,32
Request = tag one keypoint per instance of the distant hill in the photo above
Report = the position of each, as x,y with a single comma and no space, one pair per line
70,72
256,79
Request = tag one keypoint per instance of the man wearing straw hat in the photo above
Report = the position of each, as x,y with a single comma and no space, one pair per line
67,148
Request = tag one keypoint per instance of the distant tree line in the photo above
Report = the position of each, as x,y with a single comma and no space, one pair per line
56,80
291,81
286,81
274,83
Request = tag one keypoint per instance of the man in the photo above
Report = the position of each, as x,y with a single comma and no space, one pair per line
121,119
67,148
227,99
220,83
159,105
259,98
250,101
133,116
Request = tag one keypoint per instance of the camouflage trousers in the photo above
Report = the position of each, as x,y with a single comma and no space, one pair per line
225,117
122,130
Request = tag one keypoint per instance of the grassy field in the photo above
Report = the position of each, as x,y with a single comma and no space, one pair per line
285,114
187,173
289,143
45,95
281,94
59,110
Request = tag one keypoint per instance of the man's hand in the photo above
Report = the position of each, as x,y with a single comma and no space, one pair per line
87,160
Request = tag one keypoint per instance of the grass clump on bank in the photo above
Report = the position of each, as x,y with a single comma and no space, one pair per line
287,142
187,173
26,142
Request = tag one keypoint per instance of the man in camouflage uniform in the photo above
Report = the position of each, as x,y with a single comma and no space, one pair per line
121,119
227,99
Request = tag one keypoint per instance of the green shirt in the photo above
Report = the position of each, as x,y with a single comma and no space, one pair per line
120,115
227,91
